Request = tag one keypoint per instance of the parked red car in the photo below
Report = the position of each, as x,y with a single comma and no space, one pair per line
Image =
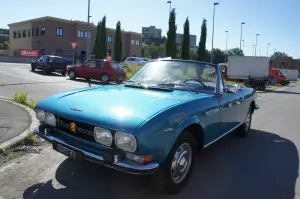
102,70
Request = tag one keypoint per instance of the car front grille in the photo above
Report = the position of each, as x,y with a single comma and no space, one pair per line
83,131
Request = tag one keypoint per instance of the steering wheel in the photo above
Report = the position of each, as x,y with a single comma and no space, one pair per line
196,80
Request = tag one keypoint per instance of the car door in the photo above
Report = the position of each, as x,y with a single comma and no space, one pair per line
97,70
86,69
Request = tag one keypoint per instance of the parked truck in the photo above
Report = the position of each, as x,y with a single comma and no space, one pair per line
252,71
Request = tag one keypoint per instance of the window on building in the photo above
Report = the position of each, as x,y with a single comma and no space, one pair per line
85,34
19,34
15,34
137,42
59,32
43,31
24,33
29,32
109,51
37,32
109,39
80,33
132,42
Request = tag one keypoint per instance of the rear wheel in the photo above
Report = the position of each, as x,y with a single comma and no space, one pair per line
72,74
173,176
104,78
44,71
244,129
63,73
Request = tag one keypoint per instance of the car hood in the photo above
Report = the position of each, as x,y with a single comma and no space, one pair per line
114,106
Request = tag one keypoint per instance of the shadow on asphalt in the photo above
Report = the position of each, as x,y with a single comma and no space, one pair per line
264,165
53,74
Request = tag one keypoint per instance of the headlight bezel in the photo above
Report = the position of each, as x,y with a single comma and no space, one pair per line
37,111
48,114
107,131
120,134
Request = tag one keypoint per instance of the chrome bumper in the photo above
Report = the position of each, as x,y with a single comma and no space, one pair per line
139,169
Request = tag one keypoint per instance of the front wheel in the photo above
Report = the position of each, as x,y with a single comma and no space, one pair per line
244,129
32,68
173,176
72,75
63,73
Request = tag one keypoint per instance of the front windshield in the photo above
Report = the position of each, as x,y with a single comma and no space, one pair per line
166,72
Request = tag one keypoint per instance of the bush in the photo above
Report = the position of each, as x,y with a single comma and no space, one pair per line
21,97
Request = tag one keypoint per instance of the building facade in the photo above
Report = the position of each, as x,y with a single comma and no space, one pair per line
193,40
52,35
284,63
151,31
4,35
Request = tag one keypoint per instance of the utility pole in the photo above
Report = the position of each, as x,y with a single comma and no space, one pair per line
89,35
241,34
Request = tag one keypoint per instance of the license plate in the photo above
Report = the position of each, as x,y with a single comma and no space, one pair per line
65,151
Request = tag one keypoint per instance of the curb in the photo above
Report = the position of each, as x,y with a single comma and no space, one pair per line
19,139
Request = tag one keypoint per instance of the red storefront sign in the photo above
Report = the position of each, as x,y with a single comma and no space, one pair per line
29,53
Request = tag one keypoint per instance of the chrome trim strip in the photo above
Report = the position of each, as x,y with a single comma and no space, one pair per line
145,167
222,135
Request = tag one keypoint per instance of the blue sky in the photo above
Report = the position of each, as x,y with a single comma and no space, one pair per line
276,21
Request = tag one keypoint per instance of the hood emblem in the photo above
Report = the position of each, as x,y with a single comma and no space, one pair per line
76,109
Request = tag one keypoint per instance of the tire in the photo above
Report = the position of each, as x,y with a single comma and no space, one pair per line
44,70
72,75
104,78
119,82
32,68
243,130
63,73
262,87
164,180
282,83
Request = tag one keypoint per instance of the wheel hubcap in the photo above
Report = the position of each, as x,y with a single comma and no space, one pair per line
104,78
247,121
181,163
71,74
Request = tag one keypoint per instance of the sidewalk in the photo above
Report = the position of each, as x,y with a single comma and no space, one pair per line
13,120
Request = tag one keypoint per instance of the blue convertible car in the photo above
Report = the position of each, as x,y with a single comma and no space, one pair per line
152,124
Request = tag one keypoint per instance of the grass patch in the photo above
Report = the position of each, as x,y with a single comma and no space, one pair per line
130,70
22,98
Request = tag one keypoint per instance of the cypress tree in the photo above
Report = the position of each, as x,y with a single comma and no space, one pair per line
118,43
97,45
202,44
103,47
171,49
185,49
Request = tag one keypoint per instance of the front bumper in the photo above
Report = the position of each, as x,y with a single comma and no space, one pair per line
124,166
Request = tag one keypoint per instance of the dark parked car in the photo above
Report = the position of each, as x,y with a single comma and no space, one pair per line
102,70
49,64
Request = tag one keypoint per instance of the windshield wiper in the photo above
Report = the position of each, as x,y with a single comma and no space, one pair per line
149,87
173,84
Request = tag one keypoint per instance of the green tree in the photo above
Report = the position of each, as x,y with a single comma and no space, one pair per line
171,49
278,54
219,56
235,51
6,45
193,53
202,53
118,43
1,46
185,49
97,45
103,47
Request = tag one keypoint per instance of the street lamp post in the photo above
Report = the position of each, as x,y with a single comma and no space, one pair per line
241,34
252,50
243,44
170,2
256,43
226,43
259,52
212,39
88,39
268,49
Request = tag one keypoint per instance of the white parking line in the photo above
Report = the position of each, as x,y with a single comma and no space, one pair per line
19,76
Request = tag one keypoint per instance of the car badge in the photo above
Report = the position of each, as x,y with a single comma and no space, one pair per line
76,109
73,127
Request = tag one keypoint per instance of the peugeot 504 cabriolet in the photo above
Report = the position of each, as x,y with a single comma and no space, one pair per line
153,124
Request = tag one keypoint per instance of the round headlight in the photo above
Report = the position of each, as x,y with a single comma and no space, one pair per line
50,119
40,115
103,136
125,141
